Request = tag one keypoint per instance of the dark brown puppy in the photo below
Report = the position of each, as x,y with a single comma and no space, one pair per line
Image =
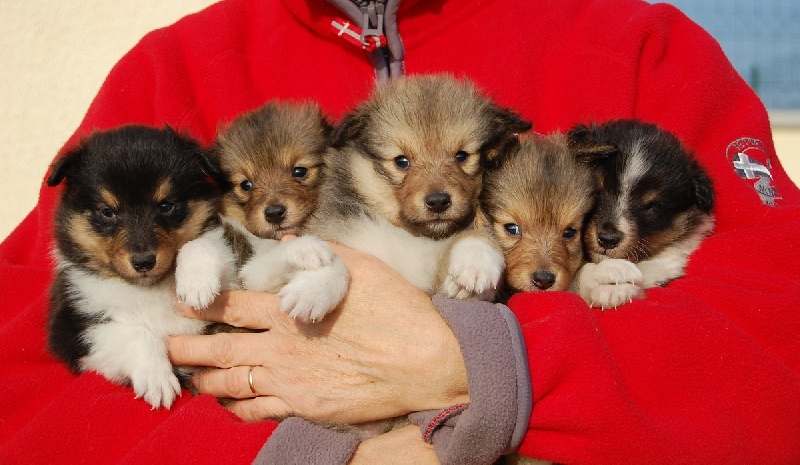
654,206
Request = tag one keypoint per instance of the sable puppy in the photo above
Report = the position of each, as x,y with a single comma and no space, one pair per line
408,170
402,183
133,197
536,205
272,161
653,208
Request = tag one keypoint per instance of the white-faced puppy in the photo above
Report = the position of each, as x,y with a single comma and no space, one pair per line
133,197
535,205
405,176
272,161
653,209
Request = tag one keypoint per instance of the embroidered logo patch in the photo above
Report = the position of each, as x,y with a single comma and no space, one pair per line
753,165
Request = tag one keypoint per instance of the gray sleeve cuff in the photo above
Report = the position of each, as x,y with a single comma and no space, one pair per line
496,419
301,442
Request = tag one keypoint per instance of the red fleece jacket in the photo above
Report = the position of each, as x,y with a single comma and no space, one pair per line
705,370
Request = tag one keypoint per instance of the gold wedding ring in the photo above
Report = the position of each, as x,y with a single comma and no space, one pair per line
250,381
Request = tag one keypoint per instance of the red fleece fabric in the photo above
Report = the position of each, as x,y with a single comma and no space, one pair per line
706,370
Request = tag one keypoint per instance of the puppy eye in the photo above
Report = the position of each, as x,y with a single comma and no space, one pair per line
652,206
246,185
512,228
166,207
402,162
569,233
108,213
299,171
461,156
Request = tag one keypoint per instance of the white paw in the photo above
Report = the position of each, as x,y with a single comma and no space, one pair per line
261,273
475,269
308,253
617,271
607,296
611,283
196,286
311,294
157,386
198,274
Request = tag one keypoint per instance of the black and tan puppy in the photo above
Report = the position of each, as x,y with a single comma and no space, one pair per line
536,205
272,161
405,175
653,208
133,197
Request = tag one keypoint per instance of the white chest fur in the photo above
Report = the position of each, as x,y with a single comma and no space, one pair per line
150,307
416,258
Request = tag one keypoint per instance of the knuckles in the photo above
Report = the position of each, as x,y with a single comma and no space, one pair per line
222,350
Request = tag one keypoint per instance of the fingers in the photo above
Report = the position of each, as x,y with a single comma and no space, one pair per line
232,383
260,408
223,350
243,309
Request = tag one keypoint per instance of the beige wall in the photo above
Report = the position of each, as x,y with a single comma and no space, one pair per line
787,145
53,58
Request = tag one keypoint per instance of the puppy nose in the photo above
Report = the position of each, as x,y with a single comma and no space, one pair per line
143,262
543,279
275,213
609,239
438,202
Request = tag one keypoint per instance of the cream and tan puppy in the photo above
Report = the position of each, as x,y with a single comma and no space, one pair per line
405,175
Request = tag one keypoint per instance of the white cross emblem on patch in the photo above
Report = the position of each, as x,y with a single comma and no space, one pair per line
748,168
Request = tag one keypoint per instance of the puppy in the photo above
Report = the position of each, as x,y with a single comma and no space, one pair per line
654,207
133,197
271,160
405,177
535,206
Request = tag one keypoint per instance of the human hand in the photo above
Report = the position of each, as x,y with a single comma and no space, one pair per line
400,446
383,353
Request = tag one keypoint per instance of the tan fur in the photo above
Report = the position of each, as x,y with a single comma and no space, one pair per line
432,121
635,248
444,128
163,191
111,256
263,147
109,199
98,250
544,190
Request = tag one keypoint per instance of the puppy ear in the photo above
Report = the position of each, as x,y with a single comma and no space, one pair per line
203,156
508,120
209,162
351,127
327,128
703,188
588,147
63,166
506,126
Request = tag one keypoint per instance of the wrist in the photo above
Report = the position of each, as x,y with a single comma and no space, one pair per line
496,418
445,382
437,376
